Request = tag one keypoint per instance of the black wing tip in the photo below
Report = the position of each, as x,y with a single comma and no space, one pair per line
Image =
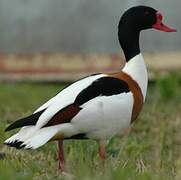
27,121
8,128
11,127
16,124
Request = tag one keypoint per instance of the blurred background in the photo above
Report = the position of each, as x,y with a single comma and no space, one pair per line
46,44
46,32
29,26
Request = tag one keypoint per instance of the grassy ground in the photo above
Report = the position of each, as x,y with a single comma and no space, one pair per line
151,151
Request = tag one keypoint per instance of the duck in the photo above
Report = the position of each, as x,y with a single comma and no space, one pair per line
99,106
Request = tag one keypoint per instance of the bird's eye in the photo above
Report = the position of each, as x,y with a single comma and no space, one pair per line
146,13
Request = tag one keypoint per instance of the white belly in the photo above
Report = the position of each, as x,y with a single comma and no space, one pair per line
104,117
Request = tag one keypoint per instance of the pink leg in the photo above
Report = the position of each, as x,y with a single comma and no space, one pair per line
61,156
102,150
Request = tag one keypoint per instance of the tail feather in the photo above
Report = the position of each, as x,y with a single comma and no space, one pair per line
40,138
27,121
33,140
17,139
31,137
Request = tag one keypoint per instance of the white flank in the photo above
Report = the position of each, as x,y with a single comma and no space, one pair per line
105,116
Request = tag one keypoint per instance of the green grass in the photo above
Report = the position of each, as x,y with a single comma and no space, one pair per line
151,151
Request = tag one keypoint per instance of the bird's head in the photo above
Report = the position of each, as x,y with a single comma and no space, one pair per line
143,17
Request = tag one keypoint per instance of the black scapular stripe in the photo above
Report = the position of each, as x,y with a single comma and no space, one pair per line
105,86
27,121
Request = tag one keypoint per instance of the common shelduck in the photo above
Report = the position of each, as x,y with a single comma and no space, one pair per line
99,106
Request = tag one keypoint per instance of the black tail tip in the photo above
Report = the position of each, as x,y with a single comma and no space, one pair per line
17,144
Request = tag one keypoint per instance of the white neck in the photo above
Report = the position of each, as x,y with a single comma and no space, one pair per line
136,68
